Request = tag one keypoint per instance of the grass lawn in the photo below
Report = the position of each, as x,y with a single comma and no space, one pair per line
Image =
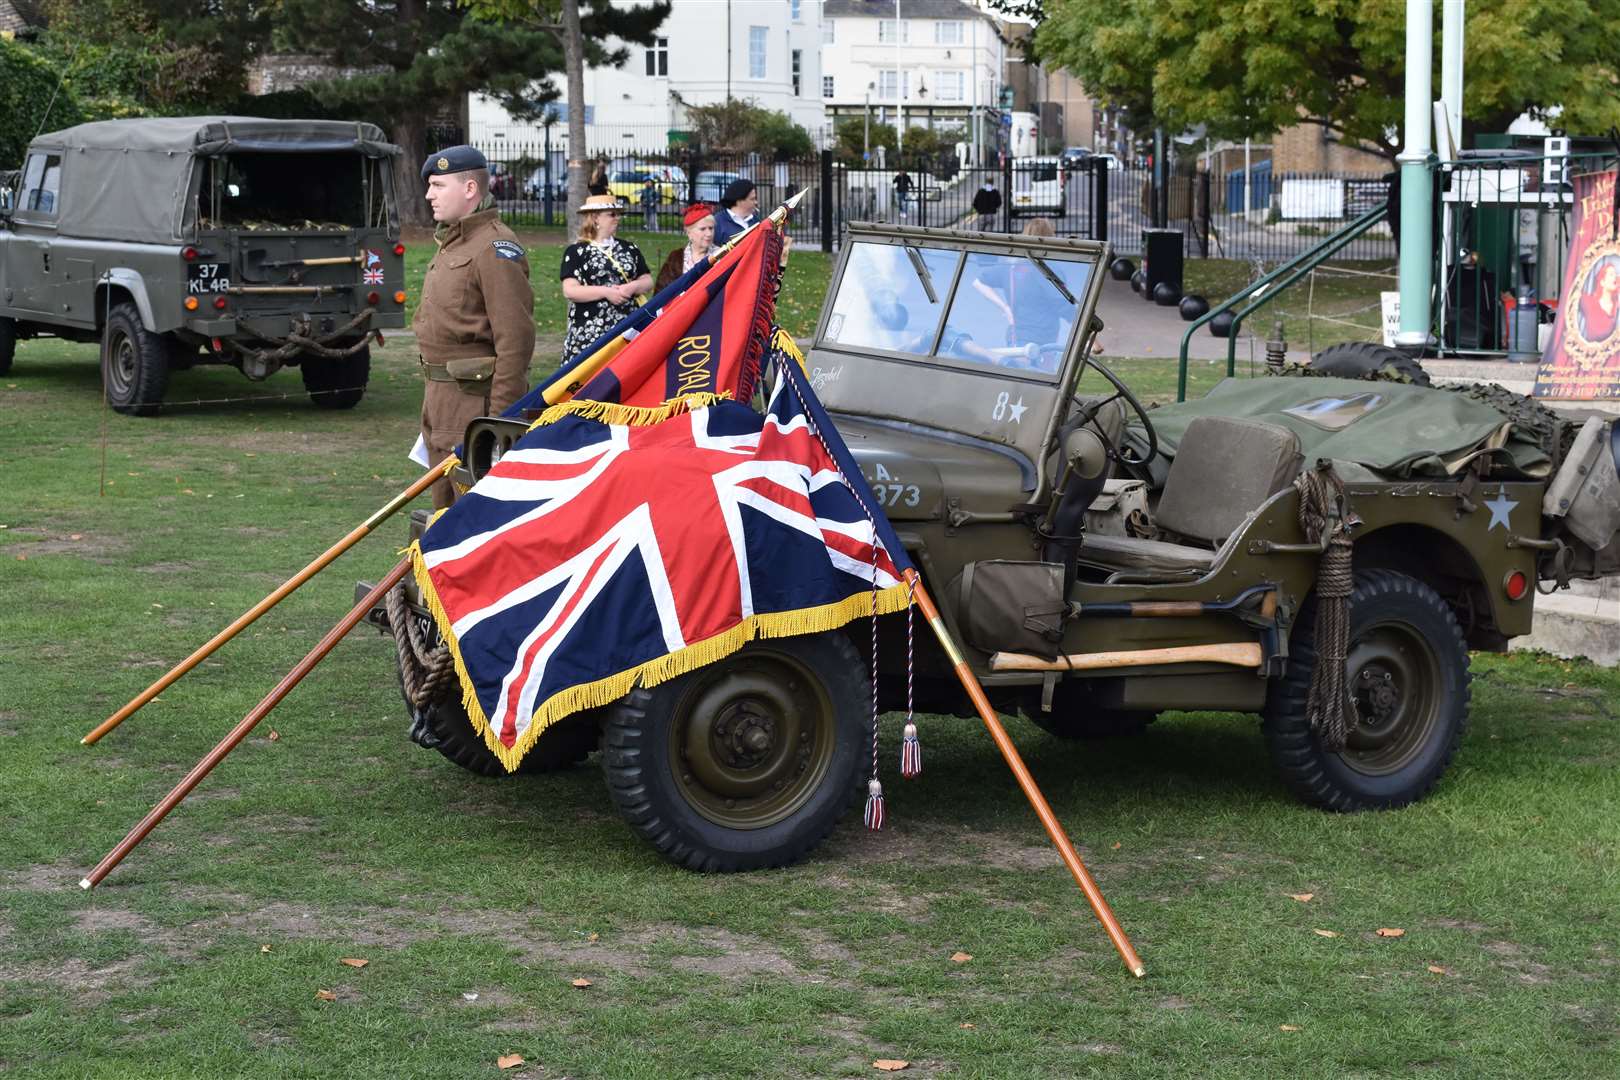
477,903
1337,302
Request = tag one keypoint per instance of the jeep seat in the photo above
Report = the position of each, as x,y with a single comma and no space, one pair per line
1224,469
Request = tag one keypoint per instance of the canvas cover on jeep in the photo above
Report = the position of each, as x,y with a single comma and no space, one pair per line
1395,430
131,179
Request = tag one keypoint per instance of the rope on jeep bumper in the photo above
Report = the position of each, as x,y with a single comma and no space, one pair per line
425,671
1322,509
299,342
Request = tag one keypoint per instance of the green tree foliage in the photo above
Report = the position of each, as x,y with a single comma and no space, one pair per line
1250,69
32,98
743,126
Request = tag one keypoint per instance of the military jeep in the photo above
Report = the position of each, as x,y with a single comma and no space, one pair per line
256,243
1101,562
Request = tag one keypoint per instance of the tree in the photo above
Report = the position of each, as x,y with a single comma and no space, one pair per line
32,99
743,126
1246,70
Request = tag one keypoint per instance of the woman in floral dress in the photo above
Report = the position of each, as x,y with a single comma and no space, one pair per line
603,277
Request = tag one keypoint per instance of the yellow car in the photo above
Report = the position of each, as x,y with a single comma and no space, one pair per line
627,184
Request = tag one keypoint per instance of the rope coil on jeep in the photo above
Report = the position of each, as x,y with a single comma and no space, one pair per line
425,671
299,342
1324,511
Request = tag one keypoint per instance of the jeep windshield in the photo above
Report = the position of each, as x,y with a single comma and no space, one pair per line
322,190
1011,311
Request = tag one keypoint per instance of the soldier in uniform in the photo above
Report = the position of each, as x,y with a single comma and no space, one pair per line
475,322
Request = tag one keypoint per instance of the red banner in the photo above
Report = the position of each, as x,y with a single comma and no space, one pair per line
1582,361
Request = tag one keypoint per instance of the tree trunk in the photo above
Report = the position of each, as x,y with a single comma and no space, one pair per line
573,44
410,135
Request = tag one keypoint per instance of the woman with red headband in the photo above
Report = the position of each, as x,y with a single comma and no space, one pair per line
699,222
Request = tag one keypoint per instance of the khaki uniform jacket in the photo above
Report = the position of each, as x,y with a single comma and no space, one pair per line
477,302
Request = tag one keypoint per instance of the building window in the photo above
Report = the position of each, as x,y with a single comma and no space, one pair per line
948,85
888,35
798,72
828,35
794,11
948,32
756,51
892,85
826,86
658,57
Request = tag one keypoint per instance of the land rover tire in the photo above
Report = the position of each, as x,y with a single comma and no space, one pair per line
8,343
134,362
1406,670
450,731
747,763
337,384
1359,359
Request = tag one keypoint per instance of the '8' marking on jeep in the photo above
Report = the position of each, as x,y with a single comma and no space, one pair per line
1007,409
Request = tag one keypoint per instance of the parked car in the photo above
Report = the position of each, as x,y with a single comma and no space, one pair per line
535,186
1110,160
260,244
1037,186
712,185
1075,156
627,185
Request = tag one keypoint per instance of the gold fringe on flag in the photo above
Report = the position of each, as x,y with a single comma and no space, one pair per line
605,691
781,339
609,412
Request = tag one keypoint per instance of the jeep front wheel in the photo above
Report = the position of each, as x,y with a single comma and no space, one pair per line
134,363
746,763
339,383
1407,673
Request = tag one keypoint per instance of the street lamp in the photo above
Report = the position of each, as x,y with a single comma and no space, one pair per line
866,126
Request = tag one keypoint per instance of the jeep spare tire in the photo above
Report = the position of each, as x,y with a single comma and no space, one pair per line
337,383
134,363
1359,359
745,763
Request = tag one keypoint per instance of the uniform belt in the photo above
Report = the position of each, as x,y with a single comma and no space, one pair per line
434,372
441,372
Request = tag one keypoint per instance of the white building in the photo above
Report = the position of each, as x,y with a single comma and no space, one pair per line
939,64
707,51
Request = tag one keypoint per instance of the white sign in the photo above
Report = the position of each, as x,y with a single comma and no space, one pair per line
1392,316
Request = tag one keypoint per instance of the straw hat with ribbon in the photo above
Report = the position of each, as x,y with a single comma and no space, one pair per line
594,203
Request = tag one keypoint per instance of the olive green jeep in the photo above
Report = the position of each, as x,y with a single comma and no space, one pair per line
205,240
1322,552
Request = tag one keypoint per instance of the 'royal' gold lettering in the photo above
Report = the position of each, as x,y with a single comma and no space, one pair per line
693,359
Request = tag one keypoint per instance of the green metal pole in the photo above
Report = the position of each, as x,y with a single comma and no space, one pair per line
1417,225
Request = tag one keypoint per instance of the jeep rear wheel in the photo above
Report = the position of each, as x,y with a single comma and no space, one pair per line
746,763
1407,672
337,384
134,363
8,343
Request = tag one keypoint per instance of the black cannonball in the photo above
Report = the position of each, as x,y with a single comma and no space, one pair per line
1193,307
1139,281
1166,294
1121,269
1221,324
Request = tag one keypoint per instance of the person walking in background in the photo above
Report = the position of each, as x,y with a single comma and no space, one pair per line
603,277
739,205
598,183
986,204
902,192
699,223
649,205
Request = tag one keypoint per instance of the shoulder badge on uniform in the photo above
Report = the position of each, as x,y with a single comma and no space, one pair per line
508,249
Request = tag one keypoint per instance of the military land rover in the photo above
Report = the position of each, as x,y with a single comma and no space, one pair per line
1323,552
260,244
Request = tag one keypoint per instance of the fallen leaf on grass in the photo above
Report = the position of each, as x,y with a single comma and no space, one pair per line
1116,846
960,957
1302,897
966,1025
593,937
469,997
325,995
1390,931
580,984
354,961
274,735
75,536
509,1061
1325,933
890,1064
1289,1027
1438,970
264,948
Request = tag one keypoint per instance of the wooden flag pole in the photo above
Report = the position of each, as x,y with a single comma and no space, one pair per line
240,732
1043,810
245,620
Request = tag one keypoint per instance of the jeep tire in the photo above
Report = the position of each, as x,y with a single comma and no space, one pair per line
1407,671
8,343
337,384
134,363
1359,359
746,763
561,746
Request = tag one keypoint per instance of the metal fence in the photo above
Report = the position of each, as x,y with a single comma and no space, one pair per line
1096,198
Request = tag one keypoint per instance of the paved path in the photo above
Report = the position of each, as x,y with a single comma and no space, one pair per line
1135,327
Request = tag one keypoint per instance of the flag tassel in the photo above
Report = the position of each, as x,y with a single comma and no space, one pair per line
910,753
874,815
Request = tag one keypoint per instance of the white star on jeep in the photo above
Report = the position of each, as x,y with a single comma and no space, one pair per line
1017,410
1500,507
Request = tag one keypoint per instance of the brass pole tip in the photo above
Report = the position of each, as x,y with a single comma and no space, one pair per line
1139,971
84,883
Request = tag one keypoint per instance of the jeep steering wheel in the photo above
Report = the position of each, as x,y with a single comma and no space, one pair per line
1123,391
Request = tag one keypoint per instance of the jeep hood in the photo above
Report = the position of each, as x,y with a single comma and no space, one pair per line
920,474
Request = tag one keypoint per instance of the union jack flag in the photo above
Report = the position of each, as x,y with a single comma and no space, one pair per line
372,273
594,556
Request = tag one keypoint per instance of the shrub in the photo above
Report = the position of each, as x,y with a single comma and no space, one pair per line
28,86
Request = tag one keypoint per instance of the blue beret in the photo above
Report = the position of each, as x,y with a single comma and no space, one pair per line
454,159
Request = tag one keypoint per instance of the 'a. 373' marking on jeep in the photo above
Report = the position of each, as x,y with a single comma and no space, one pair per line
890,490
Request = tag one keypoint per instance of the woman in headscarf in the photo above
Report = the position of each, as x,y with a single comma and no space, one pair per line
699,223
603,277
1600,307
